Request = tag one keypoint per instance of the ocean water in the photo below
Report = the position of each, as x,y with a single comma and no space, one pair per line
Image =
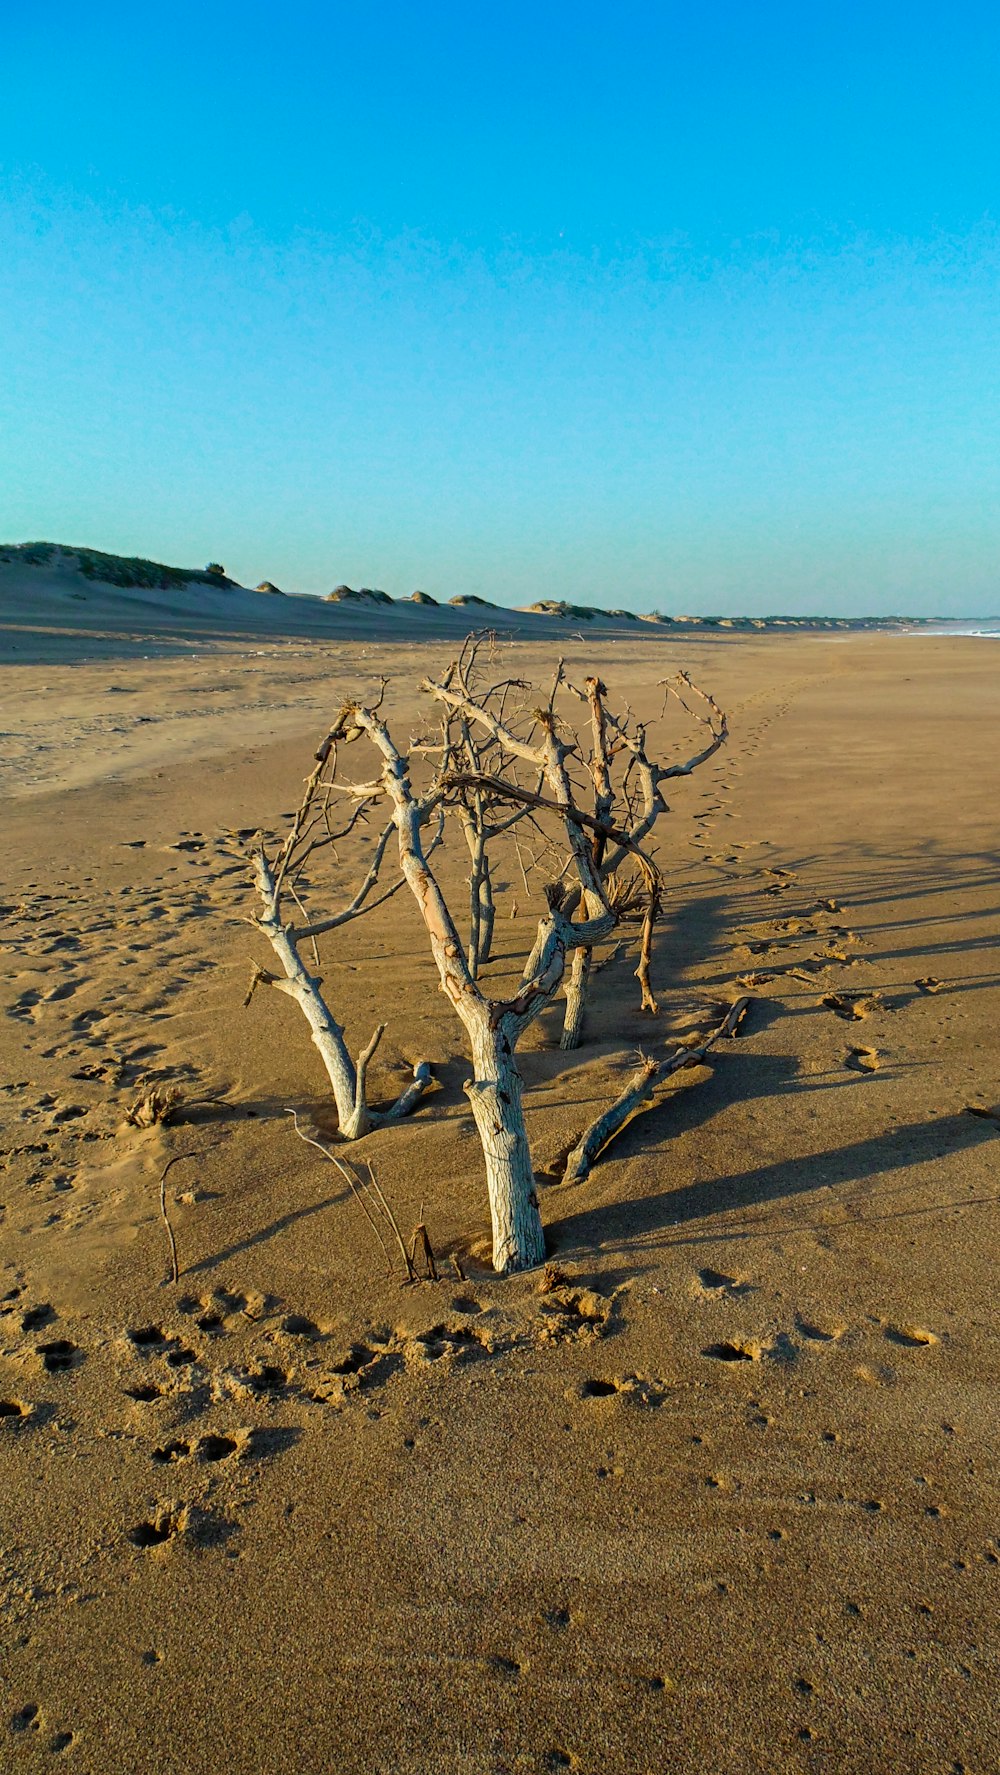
988,626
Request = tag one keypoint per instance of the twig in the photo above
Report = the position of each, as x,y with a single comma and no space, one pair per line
355,1185
421,1240
174,1271
646,950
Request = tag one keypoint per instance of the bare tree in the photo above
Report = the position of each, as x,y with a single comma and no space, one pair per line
313,831
494,760
495,1026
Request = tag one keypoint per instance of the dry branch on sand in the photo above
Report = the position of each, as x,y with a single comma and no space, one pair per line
638,1095
498,757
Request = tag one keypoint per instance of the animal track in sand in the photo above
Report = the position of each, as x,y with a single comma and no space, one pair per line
168,1521
13,1411
630,1389
171,1521
461,1342
27,1718
171,1451
853,1007
209,1447
929,985
260,1379
36,1317
297,1325
508,1668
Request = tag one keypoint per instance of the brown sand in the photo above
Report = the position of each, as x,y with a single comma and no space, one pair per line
736,1513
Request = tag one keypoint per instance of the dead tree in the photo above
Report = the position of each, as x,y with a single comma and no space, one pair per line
623,774
313,831
534,744
495,759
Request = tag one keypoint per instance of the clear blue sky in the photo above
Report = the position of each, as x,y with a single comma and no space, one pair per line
679,306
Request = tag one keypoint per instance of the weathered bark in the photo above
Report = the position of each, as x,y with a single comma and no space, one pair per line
495,1098
487,916
646,952
576,999
348,1082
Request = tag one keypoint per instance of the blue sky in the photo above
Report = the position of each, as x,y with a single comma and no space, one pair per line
692,308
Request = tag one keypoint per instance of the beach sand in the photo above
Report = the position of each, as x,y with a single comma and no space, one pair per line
724,1501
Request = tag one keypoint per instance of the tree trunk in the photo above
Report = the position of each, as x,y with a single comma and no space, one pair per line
349,1082
576,998
487,914
326,1032
496,1103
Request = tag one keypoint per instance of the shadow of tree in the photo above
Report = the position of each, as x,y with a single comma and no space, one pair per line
638,1222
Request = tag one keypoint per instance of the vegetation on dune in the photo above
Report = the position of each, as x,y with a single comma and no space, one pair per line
366,595
115,570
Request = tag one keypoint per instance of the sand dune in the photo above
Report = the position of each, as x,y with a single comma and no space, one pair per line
51,610
721,1499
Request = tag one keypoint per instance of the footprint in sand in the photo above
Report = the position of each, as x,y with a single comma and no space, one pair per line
736,1350
816,1333
863,1060
911,1337
851,1006
717,1285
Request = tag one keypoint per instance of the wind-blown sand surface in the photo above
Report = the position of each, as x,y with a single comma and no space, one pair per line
734,1508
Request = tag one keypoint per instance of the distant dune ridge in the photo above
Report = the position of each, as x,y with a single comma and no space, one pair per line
60,600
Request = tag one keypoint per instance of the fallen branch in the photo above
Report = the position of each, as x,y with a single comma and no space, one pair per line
637,1094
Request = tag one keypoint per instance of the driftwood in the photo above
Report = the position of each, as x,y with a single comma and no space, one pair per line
638,1093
